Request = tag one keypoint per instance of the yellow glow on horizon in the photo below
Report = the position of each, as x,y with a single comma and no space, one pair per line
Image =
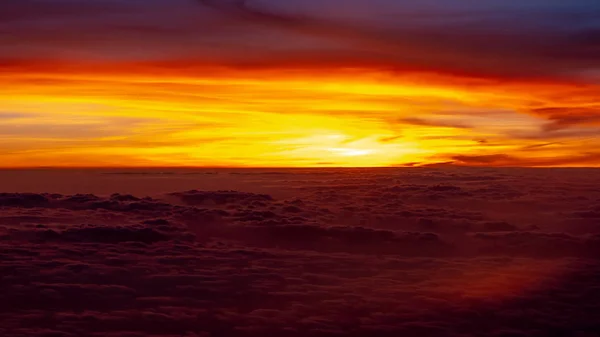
358,118
351,152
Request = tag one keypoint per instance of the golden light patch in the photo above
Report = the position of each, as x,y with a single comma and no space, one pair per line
267,118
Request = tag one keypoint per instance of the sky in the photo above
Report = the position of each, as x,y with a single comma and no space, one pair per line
266,83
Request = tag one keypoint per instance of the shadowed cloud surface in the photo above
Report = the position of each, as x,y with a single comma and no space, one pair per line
300,252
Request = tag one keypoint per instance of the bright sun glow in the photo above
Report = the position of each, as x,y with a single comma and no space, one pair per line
361,119
351,152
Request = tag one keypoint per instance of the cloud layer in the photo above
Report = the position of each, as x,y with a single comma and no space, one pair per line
419,252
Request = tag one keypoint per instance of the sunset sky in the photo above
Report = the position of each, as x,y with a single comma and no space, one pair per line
272,83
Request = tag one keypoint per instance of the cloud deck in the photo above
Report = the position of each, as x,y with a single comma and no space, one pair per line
414,252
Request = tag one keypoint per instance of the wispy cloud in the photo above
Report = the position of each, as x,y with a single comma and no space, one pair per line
301,82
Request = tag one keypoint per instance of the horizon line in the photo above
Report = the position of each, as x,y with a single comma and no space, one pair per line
441,165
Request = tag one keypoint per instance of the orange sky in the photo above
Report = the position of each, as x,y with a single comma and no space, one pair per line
291,109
